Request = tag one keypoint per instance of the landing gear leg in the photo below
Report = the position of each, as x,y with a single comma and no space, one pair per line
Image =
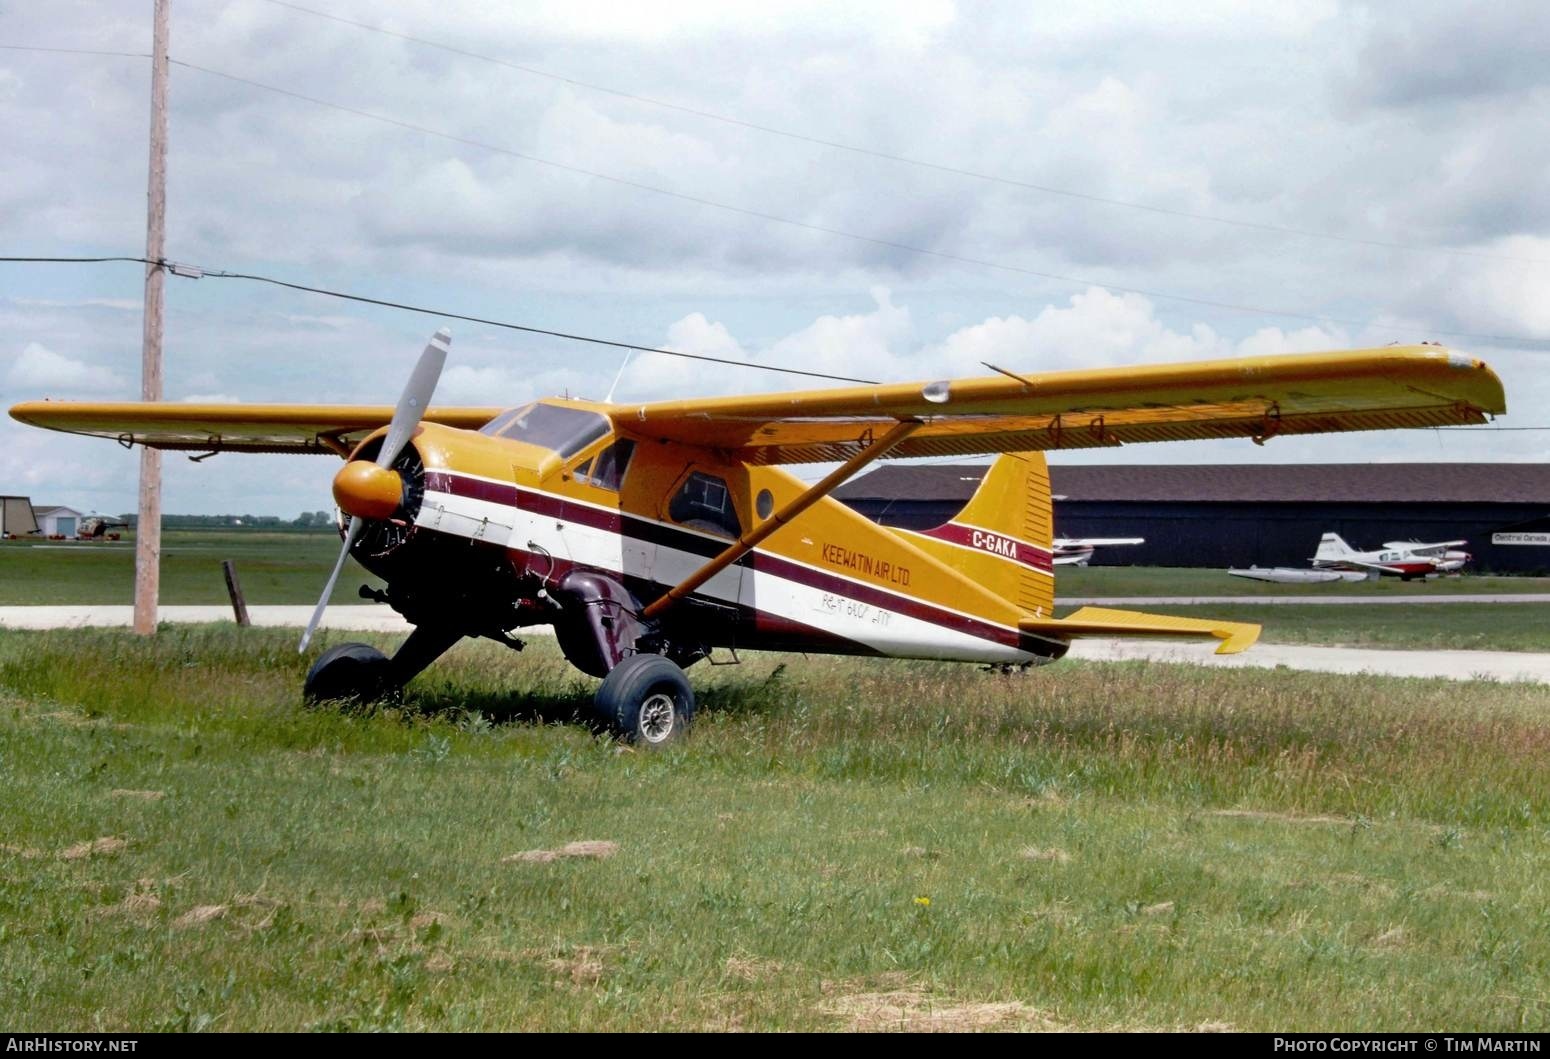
426,644
646,700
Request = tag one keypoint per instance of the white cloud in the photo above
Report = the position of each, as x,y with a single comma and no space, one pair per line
40,368
1422,126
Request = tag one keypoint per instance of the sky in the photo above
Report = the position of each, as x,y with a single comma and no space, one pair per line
891,190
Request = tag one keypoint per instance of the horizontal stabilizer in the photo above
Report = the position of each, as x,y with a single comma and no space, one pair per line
1101,621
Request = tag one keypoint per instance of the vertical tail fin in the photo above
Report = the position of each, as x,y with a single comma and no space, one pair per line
1332,546
1003,538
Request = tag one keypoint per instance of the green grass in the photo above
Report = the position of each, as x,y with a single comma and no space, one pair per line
273,568
842,842
1454,626
1077,581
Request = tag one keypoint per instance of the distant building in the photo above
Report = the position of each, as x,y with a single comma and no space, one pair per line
59,521
1245,514
16,516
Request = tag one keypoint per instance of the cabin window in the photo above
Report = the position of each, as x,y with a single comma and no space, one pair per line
704,502
564,430
610,465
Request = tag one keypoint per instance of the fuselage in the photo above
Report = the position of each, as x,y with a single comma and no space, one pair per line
551,488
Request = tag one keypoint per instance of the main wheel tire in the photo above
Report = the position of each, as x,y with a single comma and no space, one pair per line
350,672
646,700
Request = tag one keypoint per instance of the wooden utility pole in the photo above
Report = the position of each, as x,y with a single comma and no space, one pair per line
148,527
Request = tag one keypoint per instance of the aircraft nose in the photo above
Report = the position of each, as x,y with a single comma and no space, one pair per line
365,490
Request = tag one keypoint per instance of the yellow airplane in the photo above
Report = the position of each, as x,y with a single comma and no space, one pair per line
649,535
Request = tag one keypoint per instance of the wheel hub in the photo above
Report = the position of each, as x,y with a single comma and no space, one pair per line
658,715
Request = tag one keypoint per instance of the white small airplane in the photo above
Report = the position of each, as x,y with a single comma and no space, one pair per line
1403,559
1078,551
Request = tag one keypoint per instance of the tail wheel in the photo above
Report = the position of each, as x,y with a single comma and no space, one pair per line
647,700
350,671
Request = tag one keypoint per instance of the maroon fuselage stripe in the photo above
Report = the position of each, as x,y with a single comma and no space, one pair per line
997,544
635,528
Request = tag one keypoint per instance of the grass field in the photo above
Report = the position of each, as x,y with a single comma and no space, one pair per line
273,568
1201,581
1455,626
841,844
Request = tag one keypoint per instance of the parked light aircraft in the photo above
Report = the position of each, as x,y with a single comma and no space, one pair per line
649,535
1078,551
1403,559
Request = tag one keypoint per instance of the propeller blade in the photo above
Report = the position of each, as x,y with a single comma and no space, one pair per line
328,589
415,398
406,416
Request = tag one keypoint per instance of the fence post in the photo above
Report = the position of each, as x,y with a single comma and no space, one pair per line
239,606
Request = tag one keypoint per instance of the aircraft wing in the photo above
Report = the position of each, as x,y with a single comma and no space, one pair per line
1256,397
231,427
1417,548
1096,542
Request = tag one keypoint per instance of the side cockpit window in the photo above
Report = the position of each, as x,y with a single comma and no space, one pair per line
704,502
607,471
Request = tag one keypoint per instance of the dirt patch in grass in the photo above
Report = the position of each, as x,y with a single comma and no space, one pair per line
1392,938
1052,855
140,903
24,852
592,849
144,796
580,965
1284,818
106,846
199,915
76,719
916,1011
753,969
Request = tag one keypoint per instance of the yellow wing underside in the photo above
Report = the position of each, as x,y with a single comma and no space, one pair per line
231,427
1256,397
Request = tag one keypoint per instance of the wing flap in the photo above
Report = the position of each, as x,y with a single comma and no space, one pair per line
1100,621
230,427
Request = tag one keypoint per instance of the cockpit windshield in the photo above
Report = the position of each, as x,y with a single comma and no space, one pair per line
564,430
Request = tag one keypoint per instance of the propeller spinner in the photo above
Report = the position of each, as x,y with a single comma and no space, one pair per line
373,490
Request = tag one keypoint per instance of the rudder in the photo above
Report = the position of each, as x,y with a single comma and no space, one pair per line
1003,539
1332,546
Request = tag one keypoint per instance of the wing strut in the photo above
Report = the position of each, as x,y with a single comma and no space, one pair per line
878,448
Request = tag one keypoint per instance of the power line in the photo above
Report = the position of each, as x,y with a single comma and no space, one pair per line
840,233
869,152
72,260
75,51
384,303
